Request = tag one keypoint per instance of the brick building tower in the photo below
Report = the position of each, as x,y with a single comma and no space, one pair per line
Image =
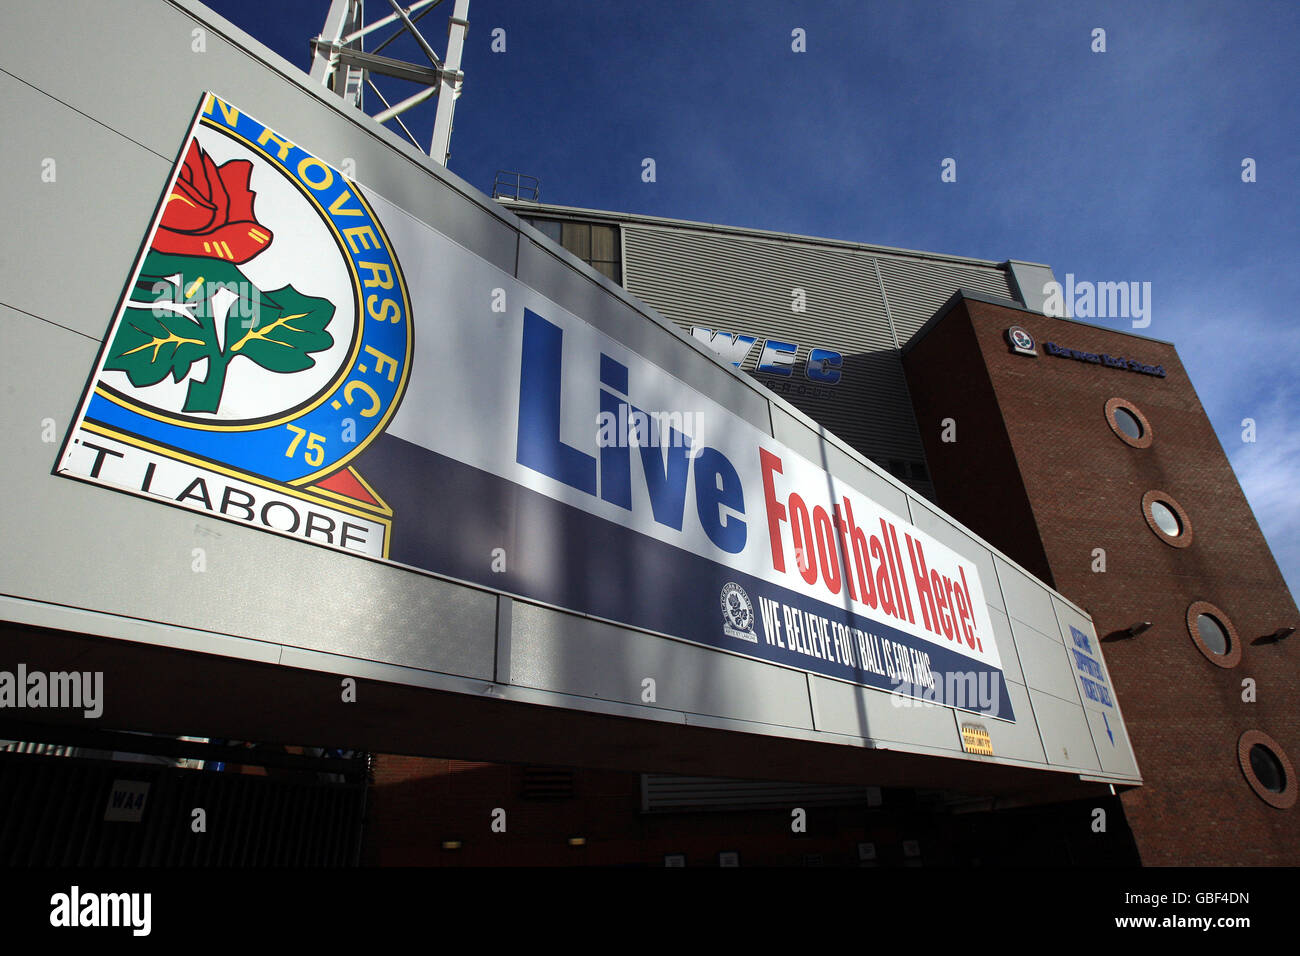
1085,454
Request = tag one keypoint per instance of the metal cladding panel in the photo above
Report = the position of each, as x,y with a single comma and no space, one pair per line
131,557
90,161
730,282
1096,690
1006,645
1110,737
50,43
551,650
1044,662
1066,735
1018,741
869,407
744,285
853,472
861,712
915,288
1029,283
1071,621
1027,599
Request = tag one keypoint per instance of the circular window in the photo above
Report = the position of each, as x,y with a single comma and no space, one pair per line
1167,519
1267,769
1128,423
1213,634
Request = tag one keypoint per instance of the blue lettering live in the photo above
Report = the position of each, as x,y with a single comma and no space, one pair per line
540,447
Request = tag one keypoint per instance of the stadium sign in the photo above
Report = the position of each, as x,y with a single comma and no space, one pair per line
1110,361
265,356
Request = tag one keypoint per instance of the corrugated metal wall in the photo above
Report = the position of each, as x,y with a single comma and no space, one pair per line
859,303
915,287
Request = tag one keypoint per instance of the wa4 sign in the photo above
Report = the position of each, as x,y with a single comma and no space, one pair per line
264,367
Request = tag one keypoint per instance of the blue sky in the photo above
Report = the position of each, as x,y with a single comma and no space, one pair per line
1116,166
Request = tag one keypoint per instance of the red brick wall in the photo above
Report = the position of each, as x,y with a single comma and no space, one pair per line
1084,486
975,477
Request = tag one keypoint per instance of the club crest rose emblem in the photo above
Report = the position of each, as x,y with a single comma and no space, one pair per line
1021,341
737,613
191,282
263,342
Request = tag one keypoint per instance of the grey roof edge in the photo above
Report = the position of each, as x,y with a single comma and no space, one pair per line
962,294
1025,262
526,207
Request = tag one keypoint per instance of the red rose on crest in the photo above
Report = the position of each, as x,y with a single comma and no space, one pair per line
210,211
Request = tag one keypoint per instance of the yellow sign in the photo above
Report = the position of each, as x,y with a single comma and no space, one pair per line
975,738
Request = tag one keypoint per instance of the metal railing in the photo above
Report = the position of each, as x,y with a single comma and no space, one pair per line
509,184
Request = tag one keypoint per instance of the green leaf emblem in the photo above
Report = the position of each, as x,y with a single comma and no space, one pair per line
171,320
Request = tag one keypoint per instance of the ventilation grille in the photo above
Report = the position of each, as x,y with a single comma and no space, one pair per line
662,793
548,784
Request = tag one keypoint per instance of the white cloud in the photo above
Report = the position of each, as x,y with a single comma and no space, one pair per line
1240,361
1269,472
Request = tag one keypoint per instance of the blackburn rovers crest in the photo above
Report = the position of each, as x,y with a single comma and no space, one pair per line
737,613
263,341
1021,341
